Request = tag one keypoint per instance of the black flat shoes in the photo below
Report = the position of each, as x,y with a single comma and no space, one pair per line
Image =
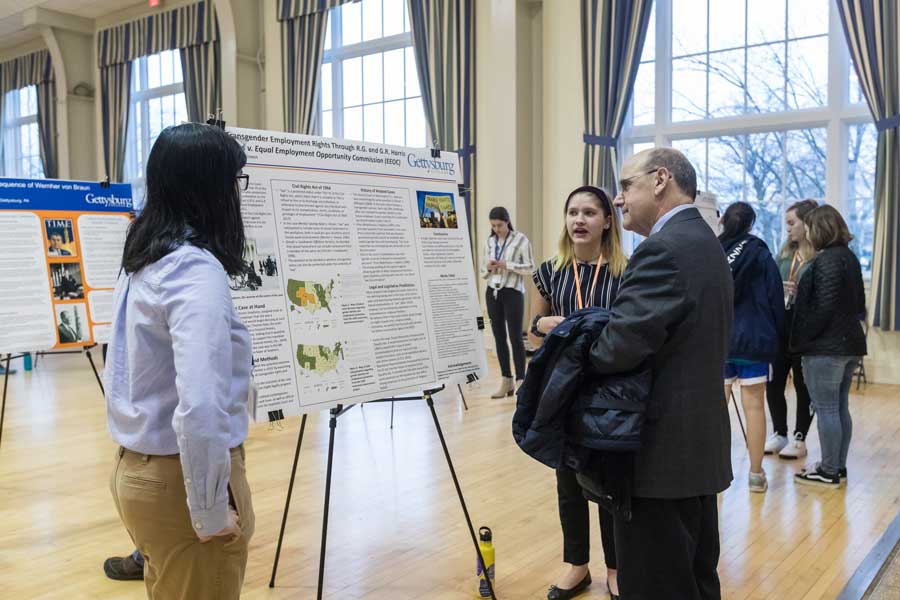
557,593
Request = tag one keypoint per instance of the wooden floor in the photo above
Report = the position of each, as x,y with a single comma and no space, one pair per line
396,528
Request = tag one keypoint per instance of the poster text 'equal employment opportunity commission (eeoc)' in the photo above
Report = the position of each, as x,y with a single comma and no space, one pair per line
361,283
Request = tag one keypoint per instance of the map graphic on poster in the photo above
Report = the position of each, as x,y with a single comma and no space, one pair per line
364,286
60,252
311,295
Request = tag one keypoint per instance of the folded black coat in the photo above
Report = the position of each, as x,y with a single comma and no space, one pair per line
567,415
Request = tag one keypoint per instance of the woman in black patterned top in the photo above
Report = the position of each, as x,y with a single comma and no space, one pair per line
585,272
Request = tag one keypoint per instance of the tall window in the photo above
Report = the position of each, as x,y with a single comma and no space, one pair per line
761,96
20,147
157,101
370,88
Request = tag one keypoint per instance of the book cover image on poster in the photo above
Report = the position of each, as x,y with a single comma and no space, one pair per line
67,281
60,237
262,267
72,323
437,210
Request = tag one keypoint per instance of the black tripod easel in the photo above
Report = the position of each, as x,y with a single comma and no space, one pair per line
737,411
86,351
332,424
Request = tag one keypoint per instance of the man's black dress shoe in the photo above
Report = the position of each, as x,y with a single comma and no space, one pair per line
557,593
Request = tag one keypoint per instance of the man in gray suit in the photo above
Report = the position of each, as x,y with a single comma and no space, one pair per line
673,313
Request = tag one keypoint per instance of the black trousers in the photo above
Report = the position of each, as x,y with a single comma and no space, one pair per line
783,365
669,549
506,312
575,518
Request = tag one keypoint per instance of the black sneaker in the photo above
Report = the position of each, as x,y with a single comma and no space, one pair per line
123,569
817,477
842,474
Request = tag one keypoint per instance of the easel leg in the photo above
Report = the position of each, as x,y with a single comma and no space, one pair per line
332,424
740,421
5,384
462,501
96,374
287,503
392,414
463,396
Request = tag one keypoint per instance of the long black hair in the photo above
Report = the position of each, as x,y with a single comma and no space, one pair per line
738,220
192,197
499,213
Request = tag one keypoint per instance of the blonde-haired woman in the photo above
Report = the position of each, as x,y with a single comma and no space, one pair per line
792,261
585,272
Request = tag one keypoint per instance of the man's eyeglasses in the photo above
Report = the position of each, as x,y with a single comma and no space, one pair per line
624,184
243,181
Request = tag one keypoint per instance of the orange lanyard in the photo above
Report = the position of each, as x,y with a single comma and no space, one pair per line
796,263
579,301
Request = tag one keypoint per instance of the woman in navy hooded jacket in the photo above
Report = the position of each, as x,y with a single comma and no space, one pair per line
758,326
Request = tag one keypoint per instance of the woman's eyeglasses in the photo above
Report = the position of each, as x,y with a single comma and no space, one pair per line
243,181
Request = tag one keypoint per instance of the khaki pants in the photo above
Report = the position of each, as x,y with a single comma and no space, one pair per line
150,497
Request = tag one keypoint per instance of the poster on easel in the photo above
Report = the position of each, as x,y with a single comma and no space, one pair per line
60,251
361,284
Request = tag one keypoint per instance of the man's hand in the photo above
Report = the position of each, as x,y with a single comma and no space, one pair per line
232,528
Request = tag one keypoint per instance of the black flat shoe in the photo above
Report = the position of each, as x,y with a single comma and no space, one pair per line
558,593
611,595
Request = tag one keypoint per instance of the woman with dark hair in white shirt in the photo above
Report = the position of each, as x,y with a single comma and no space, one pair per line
505,262
178,371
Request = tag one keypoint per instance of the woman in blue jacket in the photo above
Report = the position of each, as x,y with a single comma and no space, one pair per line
758,326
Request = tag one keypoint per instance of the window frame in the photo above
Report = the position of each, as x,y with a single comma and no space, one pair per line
836,117
12,129
335,56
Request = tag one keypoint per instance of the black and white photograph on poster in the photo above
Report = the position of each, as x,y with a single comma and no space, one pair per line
60,236
67,281
72,323
262,267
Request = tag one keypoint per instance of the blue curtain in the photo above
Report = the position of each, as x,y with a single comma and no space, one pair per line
612,39
444,44
872,29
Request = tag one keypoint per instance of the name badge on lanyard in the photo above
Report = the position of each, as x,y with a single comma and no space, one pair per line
579,301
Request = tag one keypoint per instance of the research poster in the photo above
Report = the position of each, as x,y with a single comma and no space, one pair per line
60,250
361,283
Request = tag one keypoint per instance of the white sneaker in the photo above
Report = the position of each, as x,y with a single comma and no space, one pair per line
758,482
775,443
796,449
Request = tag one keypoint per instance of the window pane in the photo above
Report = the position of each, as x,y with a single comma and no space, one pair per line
649,51
724,167
353,129
644,97
351,23
153,71
807,77
394,119
765,21
856,92
807,17
352,80
695,151
326,86
27,101
726,83
372,78
689,88
765,78
415,123
764,185
180,109
860,211
412,76
327,124
167,67
726,24
371,11
393,17
806,164
156,122
688,27
328,32
373,118
393,74
406,23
